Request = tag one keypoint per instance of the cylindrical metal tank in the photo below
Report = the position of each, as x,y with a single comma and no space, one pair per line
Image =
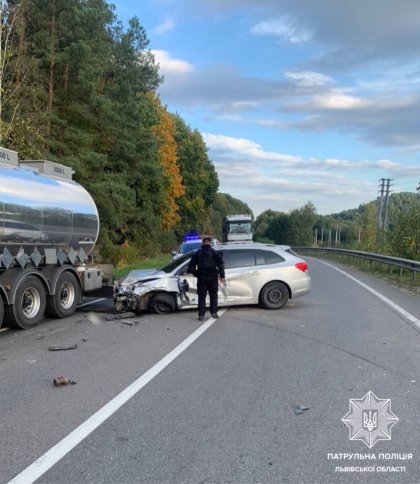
40,211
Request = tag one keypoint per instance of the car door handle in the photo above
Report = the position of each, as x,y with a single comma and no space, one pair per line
255,273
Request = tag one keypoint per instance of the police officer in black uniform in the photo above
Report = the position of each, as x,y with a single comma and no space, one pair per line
207,265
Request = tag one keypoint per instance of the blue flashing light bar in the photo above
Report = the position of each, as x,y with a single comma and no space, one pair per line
189,238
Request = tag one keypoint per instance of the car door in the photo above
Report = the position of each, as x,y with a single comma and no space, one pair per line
241,276
192,283
192,288
270,265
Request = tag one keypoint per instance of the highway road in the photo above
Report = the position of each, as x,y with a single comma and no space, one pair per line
166,399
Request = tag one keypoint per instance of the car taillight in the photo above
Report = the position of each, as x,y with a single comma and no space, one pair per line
302,266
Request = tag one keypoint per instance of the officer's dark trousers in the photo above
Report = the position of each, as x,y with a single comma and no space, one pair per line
207,284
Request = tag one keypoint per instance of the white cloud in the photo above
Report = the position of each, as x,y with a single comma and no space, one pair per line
245,151
244,147
337,99
244,105
263,186
283,27
309,78
164,27
171,65
282,181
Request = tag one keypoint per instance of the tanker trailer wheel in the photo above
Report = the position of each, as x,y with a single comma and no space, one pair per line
29,306
66,298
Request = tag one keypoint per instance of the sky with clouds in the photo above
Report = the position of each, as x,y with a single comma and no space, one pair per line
297,100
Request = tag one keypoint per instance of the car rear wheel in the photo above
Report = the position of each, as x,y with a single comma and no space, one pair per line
274,295
162,303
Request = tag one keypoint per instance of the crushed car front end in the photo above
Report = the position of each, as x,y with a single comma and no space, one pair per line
136,291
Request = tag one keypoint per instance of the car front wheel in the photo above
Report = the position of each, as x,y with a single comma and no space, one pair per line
162,303
274,295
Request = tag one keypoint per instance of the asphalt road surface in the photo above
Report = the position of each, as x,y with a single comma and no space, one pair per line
223,407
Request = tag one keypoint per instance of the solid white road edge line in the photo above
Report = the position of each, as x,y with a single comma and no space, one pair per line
91,302
56,453
412,319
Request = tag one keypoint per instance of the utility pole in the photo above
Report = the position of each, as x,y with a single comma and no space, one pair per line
336,236
388,187
329,238
322,235
381,203
316,238
358,240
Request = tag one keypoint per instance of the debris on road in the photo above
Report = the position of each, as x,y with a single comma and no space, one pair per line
63,380
300,409
121,316
131,323
94,319
125,315
62,348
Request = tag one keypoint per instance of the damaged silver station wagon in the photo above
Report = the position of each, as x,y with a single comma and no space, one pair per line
255,274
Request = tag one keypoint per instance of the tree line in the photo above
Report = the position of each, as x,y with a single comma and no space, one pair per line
356,228
80,88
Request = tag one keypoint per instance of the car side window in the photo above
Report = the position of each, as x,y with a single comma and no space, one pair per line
240,258
182,270
259,258
268,257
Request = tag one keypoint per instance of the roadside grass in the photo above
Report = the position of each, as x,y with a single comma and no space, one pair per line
149,263
402,279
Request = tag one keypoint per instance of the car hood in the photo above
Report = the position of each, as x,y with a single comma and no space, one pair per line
139,275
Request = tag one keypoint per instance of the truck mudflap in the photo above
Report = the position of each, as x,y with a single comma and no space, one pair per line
136,297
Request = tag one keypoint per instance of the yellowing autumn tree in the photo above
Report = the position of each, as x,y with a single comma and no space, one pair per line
165,132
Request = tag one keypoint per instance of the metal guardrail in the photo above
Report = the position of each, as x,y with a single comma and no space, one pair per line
408,264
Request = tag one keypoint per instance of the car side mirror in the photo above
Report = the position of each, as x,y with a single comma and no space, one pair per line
173,252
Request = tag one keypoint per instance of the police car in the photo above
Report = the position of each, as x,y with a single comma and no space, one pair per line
191,243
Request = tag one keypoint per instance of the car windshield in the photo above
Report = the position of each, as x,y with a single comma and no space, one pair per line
239,227
176,263
188,247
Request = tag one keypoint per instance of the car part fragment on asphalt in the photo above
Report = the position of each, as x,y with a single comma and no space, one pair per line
93,318
125,315
300,409
63,380
62,348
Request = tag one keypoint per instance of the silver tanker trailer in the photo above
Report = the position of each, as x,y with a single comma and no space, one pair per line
48,226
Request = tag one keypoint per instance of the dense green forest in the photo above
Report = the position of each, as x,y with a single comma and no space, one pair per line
80,88
357,228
